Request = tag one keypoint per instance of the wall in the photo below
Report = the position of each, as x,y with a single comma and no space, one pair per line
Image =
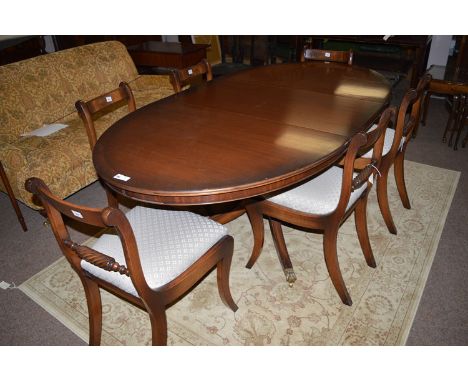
439,52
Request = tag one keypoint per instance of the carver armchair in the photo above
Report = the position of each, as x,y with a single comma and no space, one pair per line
151,257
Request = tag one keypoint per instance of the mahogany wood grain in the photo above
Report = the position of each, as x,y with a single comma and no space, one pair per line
154,301
241,135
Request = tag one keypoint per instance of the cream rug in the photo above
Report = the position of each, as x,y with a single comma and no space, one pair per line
270,313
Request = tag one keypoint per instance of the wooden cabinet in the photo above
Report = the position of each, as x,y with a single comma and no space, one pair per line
20,48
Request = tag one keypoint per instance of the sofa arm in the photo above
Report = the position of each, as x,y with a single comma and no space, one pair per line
13,160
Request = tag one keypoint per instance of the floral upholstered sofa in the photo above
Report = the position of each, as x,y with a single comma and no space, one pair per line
43,91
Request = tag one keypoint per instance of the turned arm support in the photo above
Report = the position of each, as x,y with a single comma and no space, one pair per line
363,175
97,258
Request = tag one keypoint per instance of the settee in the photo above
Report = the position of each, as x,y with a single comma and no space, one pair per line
43,91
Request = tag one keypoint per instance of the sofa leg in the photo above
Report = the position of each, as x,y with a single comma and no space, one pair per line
13,200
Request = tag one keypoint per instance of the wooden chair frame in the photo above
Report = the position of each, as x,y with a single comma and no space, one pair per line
328,224
181,77
88,110
405,127
154,301
309,54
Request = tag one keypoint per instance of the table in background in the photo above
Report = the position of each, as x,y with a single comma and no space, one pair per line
167,54
453,81
415,46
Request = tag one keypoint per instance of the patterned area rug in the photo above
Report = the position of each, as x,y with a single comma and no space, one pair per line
270,313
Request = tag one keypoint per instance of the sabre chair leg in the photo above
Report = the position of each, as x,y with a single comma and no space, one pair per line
258,231
282,251
399,171
112,199
331,260
158,325
457,120
465,140
461,121
382,198
93,299
452,116
360,218
223,269
427,98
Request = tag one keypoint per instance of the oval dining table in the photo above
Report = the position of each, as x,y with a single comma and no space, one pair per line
240,136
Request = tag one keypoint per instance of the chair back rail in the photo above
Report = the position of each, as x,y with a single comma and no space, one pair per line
309,54
181,77
88,110
422,87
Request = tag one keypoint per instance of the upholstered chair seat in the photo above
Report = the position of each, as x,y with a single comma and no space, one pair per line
168,243
319,196
389,137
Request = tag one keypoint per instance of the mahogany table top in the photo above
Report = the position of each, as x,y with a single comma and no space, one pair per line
240,136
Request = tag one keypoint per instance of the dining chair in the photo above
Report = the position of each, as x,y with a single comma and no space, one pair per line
396,142
324,203
309,54
151,258
104,103
183,77
95,108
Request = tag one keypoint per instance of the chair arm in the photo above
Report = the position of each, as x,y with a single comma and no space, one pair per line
97,258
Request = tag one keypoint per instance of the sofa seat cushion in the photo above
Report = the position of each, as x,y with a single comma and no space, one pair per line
149,88
62,160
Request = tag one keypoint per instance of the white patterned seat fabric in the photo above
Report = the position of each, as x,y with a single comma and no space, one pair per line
168,243
389,137
319,196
